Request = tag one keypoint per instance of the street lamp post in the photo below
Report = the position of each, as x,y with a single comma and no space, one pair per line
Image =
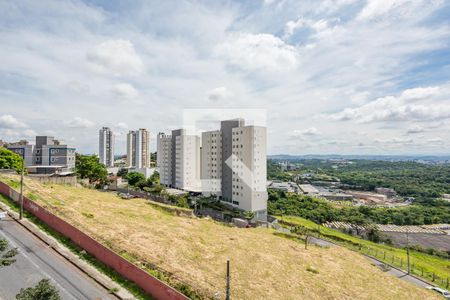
228,294
407,249
21,190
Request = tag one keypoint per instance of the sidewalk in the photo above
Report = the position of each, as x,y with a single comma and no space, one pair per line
85,267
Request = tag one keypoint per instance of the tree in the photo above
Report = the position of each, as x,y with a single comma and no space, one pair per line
154,178
44,290
302,230
134,178
182,201
248,215
10,160
88,166
6,256
122,172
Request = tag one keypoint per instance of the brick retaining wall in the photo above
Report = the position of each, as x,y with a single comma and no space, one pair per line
147,282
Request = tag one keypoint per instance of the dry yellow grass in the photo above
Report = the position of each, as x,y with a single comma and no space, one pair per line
264,266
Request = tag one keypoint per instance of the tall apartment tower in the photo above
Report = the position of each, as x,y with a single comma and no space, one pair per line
234,165
164,158
106,147
178,160
138,149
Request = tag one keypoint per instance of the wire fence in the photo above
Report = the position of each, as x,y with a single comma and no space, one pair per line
416,267
390,258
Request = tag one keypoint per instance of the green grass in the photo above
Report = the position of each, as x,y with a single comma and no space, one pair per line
14,184
130,286
430,264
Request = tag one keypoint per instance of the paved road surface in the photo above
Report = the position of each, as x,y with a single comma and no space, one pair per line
36,261
400,274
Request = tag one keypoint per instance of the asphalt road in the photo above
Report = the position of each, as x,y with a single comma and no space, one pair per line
37,261
400,274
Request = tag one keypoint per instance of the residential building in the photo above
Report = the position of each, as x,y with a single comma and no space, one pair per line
106,147
51,154
138,149
164,158
211,163
178,160
234,166
47,156
23,149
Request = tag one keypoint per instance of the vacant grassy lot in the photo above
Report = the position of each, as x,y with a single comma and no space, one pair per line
194,251
428,263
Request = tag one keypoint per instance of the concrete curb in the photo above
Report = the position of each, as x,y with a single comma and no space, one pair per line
62,250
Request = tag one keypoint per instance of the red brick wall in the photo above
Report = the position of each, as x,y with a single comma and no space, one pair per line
147,282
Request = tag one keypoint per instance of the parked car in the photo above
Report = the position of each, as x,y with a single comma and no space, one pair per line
443,292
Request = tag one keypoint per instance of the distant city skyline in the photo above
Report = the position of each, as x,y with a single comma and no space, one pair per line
335,77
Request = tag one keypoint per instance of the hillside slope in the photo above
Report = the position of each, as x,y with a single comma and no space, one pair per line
263,265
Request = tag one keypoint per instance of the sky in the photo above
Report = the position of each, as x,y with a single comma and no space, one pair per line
331,76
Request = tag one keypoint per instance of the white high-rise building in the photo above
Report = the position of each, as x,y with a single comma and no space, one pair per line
164,158
178,160
106,147
211,163
234,166
138,149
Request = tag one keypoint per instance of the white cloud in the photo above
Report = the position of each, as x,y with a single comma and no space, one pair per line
9,121
258,51
122,126
415,129
217,94
29,133
125,90
308,132
419,104
79,122
376,9
115,56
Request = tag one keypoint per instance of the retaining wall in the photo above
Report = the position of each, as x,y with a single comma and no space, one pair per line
150,284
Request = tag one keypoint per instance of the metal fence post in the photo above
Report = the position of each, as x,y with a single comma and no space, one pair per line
227,297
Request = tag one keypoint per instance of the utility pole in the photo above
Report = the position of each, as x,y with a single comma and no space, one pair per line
21,190
407,249
227,297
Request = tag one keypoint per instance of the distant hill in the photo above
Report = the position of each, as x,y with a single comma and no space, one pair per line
424,158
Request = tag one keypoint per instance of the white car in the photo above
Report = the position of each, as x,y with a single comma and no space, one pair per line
443,292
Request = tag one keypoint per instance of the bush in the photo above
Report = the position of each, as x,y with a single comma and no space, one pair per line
134,178
44,290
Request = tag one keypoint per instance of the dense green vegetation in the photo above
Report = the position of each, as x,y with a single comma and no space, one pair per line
88,166
410,179
10,160
150,185
426,183
320,211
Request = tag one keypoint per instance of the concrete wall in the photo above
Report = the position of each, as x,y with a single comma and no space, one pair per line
69,180
150,284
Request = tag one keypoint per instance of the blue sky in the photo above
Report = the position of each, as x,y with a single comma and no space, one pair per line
334,76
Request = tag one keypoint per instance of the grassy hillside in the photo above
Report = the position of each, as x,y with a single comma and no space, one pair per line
429,264
194,251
